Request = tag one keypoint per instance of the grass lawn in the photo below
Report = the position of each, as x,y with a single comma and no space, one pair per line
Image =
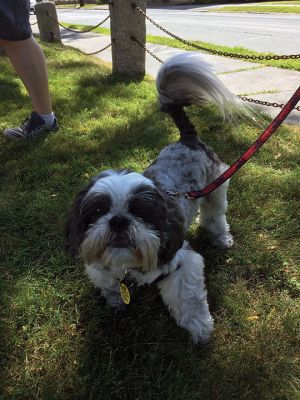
85,7
291,3
293,64
265,8
251,3
57,338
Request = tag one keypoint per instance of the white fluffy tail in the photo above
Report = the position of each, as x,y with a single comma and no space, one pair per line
186,79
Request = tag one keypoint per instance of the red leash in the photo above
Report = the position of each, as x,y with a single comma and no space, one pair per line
249,153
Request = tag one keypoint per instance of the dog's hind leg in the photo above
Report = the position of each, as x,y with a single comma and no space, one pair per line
183,291
213,214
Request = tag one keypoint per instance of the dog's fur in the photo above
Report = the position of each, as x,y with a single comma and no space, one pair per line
126,222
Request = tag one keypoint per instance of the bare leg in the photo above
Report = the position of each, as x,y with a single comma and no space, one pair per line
29,62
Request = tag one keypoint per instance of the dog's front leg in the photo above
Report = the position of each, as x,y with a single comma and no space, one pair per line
184,293
110,287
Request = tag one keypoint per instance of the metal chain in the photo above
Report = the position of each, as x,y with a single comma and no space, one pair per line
249,99
99,51
265,103
147,50
87,30
78,31
218,52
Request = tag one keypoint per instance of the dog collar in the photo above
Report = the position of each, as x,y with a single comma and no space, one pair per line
173,193
128,285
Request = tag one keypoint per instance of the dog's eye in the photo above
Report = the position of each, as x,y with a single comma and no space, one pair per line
99,212
102,206
148,208
95,208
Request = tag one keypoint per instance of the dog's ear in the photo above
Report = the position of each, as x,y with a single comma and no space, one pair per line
173,234
74,230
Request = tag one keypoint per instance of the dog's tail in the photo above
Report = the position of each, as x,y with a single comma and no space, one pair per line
186,79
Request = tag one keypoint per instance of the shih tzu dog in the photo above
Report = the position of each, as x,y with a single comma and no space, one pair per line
128,228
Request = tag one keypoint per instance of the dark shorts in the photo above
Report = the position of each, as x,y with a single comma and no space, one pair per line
14,20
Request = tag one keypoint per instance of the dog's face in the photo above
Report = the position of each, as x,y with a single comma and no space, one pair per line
122,219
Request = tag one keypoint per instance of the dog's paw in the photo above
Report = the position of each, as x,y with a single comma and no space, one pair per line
223,241
201,331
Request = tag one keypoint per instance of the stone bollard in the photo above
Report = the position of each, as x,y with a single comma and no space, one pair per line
46,17
128,57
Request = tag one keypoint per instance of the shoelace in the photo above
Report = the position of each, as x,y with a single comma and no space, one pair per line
27,125
30,127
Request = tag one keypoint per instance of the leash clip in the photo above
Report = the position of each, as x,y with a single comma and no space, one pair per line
189,197
172,193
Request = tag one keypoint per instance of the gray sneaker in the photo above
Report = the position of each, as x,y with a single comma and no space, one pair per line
32,128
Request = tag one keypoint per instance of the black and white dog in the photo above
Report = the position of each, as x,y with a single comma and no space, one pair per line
125,225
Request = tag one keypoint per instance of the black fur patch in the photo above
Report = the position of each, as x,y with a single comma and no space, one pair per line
84,213
162,213
147,203
194,143
94,208
173,235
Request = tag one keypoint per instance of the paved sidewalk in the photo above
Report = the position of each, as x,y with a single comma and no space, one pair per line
274,85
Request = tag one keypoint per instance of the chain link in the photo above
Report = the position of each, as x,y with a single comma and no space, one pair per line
217,52
244,98
78,31
221,53
99,51
264,103
233,55
147,50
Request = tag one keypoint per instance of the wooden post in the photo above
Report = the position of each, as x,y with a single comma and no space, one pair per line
128,57
46,18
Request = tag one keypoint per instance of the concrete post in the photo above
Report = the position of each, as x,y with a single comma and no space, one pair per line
128,57
46,18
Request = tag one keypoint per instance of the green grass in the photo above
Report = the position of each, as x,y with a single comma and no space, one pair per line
260,9
58,340
268,3
85,7
293,64
101,30
291,3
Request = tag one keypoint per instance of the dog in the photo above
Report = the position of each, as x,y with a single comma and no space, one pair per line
126,226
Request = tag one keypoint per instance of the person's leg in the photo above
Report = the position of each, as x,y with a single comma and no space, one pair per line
29,62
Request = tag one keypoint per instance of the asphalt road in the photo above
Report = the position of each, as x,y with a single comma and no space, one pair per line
277,33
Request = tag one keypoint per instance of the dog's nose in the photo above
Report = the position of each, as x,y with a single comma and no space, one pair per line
119,223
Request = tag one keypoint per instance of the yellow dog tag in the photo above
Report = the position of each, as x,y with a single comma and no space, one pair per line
124,292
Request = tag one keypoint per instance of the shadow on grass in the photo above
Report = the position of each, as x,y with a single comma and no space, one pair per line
107,122
141,351
11,96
